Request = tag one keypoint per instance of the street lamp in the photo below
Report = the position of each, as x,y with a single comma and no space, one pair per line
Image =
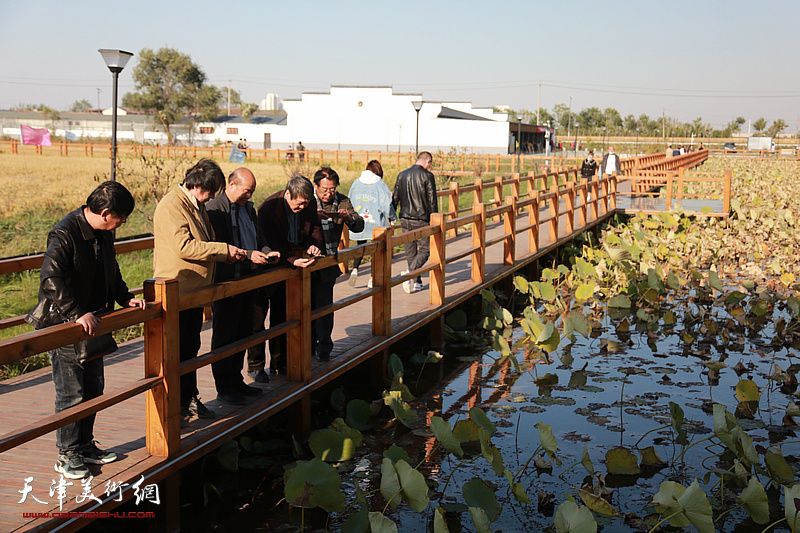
519,145
417,106
115,61
604,139
576,139
569,118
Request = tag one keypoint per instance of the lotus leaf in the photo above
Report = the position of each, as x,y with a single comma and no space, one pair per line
651,458
358,413
622,461
478,494
467,431
439,521
586,461
779,470
480,520
378,523
754,500
399,480
457,319
477,415
791,498
331,446
314,483
395,365
573,519
444,434
227,456
402,411
747,391
597,504
395,453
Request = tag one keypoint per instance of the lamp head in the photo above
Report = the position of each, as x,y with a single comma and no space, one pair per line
417,105
115,59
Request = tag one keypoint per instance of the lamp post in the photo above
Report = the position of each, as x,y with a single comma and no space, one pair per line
604,139
569,118
417,106
519,146
115,61
576,139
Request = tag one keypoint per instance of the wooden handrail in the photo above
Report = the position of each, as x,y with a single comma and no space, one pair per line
160,382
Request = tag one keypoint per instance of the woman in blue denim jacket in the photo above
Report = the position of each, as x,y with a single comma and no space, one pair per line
372,199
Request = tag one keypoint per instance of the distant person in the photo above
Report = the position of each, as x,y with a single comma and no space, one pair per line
301,150
235,222
676,151
668,152
610,163
682,150
415,195
334,210
373,200
185,250
588,170
588,167
242,145
290,222
80,280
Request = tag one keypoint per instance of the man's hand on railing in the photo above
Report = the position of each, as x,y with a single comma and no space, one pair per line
136,302
89,323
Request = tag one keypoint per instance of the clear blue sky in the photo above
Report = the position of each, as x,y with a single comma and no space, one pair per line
714,59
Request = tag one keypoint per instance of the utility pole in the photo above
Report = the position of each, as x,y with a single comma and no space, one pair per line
229,97
538,102
98,98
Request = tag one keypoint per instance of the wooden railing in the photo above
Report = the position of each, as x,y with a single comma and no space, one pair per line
160,382
455,162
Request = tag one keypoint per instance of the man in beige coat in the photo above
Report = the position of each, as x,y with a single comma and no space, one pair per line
184,250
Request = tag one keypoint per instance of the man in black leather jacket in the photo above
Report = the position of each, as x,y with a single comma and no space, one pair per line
80,279
415,194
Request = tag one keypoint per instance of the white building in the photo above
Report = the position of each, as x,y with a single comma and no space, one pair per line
376,118
345,118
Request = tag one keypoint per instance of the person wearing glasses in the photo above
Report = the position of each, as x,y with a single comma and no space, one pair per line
334,210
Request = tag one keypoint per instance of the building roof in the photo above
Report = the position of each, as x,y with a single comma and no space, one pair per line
447,112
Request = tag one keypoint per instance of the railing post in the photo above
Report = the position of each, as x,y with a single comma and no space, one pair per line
298,339
554,201
382,279
478,267
162,359
453,201
515,186
344,242
605,192
726,193
680,183
669,192
510,229
533,220
477,194
438,258
613,194
498,193
570,226
583,194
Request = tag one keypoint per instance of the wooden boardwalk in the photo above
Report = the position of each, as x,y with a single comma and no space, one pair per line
28,400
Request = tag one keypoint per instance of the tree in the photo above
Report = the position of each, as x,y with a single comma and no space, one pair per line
80,106
760,125
170,85
777,128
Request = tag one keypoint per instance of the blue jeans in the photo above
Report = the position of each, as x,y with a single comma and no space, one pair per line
75,383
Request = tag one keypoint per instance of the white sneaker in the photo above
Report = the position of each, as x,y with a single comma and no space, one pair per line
418,287
369,283
406,284
353,277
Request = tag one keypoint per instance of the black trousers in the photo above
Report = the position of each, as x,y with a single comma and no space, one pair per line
191,322
232,321
417,252
257,355
322,282
277,315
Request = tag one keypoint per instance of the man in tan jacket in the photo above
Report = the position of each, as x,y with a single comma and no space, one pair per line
184,250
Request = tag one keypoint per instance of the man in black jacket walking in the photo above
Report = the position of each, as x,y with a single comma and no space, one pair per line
80,280
415,194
